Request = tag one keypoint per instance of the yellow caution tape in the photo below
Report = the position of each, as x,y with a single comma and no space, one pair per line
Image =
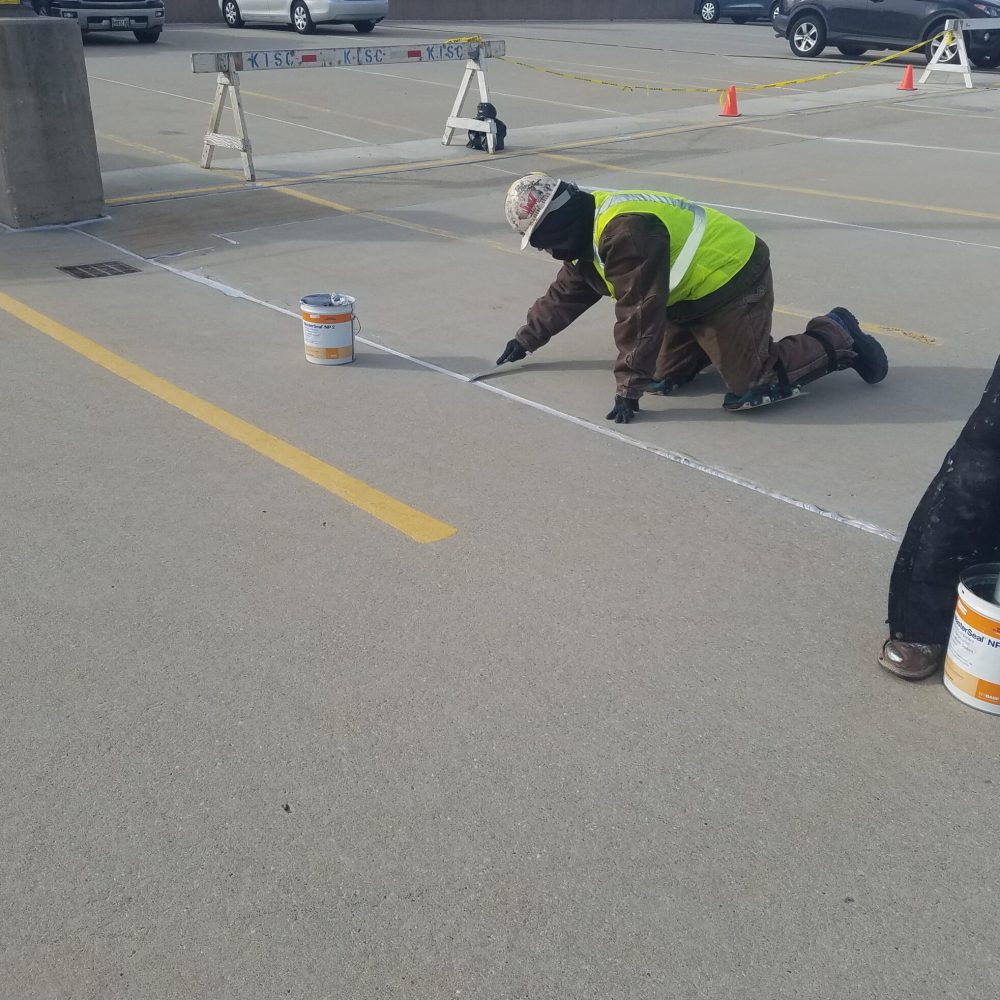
463,38
650,88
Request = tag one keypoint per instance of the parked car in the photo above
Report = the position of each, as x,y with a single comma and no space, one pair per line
144,18
740,11
304,15
855,26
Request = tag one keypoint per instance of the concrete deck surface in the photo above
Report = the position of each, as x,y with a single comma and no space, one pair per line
622,734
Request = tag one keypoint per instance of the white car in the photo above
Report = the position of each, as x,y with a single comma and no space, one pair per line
304,15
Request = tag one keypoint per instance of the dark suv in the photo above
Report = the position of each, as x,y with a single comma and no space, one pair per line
854,26
740,11
144,18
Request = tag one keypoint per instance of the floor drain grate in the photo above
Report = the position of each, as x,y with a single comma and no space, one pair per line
103,270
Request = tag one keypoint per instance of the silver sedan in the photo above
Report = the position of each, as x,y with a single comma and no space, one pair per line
304,15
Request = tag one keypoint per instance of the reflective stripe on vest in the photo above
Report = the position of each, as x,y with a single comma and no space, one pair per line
681,266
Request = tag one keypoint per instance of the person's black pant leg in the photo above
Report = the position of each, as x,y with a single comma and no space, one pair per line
956,525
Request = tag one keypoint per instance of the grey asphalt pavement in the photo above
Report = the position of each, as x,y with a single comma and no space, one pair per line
619,731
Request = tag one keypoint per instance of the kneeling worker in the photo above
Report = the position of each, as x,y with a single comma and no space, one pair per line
692,287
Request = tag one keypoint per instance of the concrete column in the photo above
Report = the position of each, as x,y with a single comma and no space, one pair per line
49,170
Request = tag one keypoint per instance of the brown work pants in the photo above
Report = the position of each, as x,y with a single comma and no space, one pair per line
737,339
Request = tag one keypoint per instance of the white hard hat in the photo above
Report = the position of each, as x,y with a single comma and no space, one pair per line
529,200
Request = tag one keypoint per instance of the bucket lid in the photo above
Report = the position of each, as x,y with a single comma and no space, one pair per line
324,300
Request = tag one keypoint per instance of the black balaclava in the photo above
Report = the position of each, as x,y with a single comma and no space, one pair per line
568,232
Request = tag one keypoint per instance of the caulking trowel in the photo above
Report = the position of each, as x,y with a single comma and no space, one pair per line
489,371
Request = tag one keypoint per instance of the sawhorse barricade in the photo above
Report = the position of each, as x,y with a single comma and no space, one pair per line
954,37
228,66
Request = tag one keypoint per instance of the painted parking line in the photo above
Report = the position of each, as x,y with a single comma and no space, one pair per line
601,429
292,192
965,213
951,150
411,522
141,147
389,220
249,114
442,162
339,112
557,152
243,186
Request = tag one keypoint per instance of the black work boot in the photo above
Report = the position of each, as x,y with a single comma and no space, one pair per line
911,660
761,395
871,363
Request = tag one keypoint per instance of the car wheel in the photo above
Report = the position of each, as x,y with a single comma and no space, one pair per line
807,36
709,11
985,61
740,20
775,7
851,51
147,37
231,14
363,27
302,20
950,54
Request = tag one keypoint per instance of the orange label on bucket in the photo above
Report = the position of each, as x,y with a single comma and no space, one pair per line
988,626
970,684
326,319
328,352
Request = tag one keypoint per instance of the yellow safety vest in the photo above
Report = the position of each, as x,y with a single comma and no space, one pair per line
707,248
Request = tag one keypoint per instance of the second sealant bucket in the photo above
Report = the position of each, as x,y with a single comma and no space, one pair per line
972,665
328,328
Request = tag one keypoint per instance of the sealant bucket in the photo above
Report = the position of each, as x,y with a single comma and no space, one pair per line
972,664
328,328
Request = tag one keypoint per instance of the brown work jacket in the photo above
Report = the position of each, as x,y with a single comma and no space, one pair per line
635,249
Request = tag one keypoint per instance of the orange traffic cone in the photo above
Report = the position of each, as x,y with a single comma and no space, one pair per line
907,83
729,108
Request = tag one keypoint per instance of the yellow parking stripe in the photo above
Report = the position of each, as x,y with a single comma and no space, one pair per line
141,146
391,220
411,522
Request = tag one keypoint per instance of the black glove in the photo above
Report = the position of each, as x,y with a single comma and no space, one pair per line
624,410
514,351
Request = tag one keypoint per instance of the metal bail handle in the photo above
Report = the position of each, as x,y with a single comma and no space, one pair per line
340,299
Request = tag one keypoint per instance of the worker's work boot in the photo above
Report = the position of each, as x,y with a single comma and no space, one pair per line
762,395
911,660
665,386
871,363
